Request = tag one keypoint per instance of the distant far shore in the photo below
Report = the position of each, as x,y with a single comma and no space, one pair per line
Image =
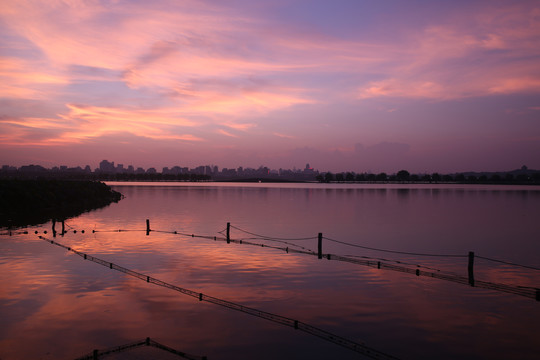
522,176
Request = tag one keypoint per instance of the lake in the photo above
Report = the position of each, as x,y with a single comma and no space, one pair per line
55,304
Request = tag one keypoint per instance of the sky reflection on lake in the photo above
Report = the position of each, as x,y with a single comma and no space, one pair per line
53,304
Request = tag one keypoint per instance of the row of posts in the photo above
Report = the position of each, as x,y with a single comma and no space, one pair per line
54,228
470,266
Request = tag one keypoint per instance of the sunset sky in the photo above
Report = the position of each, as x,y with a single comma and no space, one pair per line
345,85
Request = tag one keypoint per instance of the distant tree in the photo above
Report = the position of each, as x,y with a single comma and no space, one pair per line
371,177
382,177
447,178
328,177
403,175
340,177
435,177
509,177
495,178
360,177
426,177
319,178
482,178
349,176
414,177
460,178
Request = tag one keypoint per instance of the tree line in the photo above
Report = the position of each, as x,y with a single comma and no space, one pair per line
405,176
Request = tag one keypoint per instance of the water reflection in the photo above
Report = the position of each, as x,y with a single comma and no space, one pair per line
63,305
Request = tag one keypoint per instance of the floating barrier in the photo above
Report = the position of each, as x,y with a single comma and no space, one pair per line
296,324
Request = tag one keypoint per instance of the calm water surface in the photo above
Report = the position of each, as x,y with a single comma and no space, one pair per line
55,305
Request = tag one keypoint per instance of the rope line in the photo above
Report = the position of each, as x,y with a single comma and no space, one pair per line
349,344
272,238
392,251
148,342
529,292
518,290
508,263
525,291
398,262
283,240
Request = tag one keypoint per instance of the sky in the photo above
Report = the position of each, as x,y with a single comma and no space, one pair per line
345,85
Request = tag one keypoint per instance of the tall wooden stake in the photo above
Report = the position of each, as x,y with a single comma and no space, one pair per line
147,227
320,245
228,233
471,268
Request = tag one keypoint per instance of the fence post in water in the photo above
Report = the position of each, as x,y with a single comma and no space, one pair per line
228,233
320,245
147,227
63,228
53,227
471,268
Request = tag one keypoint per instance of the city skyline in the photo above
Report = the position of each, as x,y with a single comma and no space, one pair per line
349,85
215,171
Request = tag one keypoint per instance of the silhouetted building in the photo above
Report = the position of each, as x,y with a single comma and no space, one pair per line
106,167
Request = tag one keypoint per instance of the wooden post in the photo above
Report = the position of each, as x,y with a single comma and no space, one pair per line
95,354
147,227
471,268
63,228
53,227
537,294
228,233
320,245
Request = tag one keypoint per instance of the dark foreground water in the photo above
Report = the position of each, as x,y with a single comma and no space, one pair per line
56,305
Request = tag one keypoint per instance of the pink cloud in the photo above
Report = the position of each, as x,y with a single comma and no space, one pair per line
285,136
226,133
477,55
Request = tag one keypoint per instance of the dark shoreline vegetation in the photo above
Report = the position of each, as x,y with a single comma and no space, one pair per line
25,202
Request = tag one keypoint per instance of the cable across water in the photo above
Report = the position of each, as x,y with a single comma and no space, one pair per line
525,291
296,324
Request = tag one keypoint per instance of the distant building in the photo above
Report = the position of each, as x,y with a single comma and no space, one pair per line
106,167
308,169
